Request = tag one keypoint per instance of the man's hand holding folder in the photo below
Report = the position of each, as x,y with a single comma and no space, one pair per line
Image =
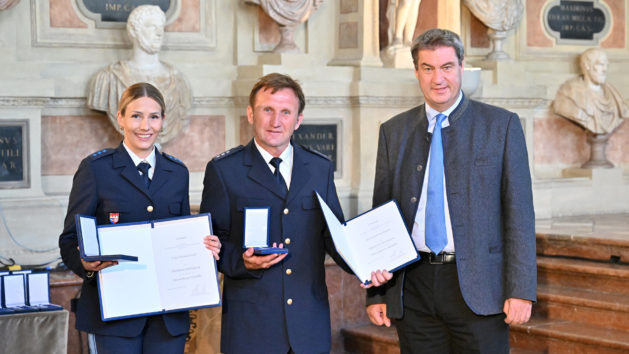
379,277
373,244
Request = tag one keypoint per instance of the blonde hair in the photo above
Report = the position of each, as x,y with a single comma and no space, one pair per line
139,90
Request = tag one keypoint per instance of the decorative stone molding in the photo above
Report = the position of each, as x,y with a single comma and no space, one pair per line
336,101
171,13
214,102
516,102
43,34
23,101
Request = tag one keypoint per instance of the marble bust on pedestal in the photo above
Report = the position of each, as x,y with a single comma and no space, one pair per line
288,14
145,28
590,102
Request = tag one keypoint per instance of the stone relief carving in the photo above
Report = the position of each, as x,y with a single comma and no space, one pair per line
7,4
590,102
145,27
500,16
288,14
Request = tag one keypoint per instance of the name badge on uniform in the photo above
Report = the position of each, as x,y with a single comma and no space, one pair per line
114,217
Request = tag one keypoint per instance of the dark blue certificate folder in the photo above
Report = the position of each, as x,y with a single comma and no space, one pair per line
174,270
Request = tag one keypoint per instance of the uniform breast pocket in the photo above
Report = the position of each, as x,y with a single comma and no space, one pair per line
174,209
243,203
114,212
309,203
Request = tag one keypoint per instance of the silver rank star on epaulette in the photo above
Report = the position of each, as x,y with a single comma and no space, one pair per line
224,154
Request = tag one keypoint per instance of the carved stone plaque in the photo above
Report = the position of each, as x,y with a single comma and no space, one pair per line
576,21
321,137
115,12
14,169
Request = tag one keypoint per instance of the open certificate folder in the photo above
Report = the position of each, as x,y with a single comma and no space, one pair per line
174,271
377,239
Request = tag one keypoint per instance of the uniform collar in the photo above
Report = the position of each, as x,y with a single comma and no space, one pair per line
136,160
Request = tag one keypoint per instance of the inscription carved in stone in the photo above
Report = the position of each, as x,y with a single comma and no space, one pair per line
577,21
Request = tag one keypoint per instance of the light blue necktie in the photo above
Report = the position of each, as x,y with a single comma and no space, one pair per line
436,238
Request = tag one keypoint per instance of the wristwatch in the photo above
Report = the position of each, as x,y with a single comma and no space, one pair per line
89,274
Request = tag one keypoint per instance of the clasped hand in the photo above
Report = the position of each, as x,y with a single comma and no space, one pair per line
213,244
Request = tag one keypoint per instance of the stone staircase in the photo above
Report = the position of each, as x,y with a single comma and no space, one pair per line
583,302
583,307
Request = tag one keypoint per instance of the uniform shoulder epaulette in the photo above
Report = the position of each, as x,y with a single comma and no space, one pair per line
224,154
100,153
173,159
309,149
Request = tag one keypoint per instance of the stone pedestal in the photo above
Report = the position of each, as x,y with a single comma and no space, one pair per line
397,57
598,144
599,176
497,38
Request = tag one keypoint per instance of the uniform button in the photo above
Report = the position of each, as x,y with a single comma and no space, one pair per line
419,167
287,241
289,301
149,208
413,200
285,211
289,271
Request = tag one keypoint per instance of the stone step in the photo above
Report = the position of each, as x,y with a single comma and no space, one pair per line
582,306
583,274
582,247
560,336
599,237
370,339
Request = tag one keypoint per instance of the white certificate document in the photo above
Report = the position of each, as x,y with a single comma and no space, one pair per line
375,240
174,270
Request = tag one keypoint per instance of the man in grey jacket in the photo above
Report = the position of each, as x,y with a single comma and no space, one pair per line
459,170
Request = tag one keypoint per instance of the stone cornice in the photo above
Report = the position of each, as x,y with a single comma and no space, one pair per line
241,101
11,102
515,102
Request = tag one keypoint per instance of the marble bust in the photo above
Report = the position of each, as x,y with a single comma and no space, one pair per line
145,28
288,14
588,100
402,17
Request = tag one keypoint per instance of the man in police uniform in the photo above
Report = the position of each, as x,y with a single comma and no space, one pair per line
274,303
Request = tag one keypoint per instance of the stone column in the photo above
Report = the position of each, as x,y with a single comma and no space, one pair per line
356,42
449,15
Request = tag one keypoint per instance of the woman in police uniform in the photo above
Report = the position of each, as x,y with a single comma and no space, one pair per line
133,182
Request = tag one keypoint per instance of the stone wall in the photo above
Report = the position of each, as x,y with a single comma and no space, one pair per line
49,50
